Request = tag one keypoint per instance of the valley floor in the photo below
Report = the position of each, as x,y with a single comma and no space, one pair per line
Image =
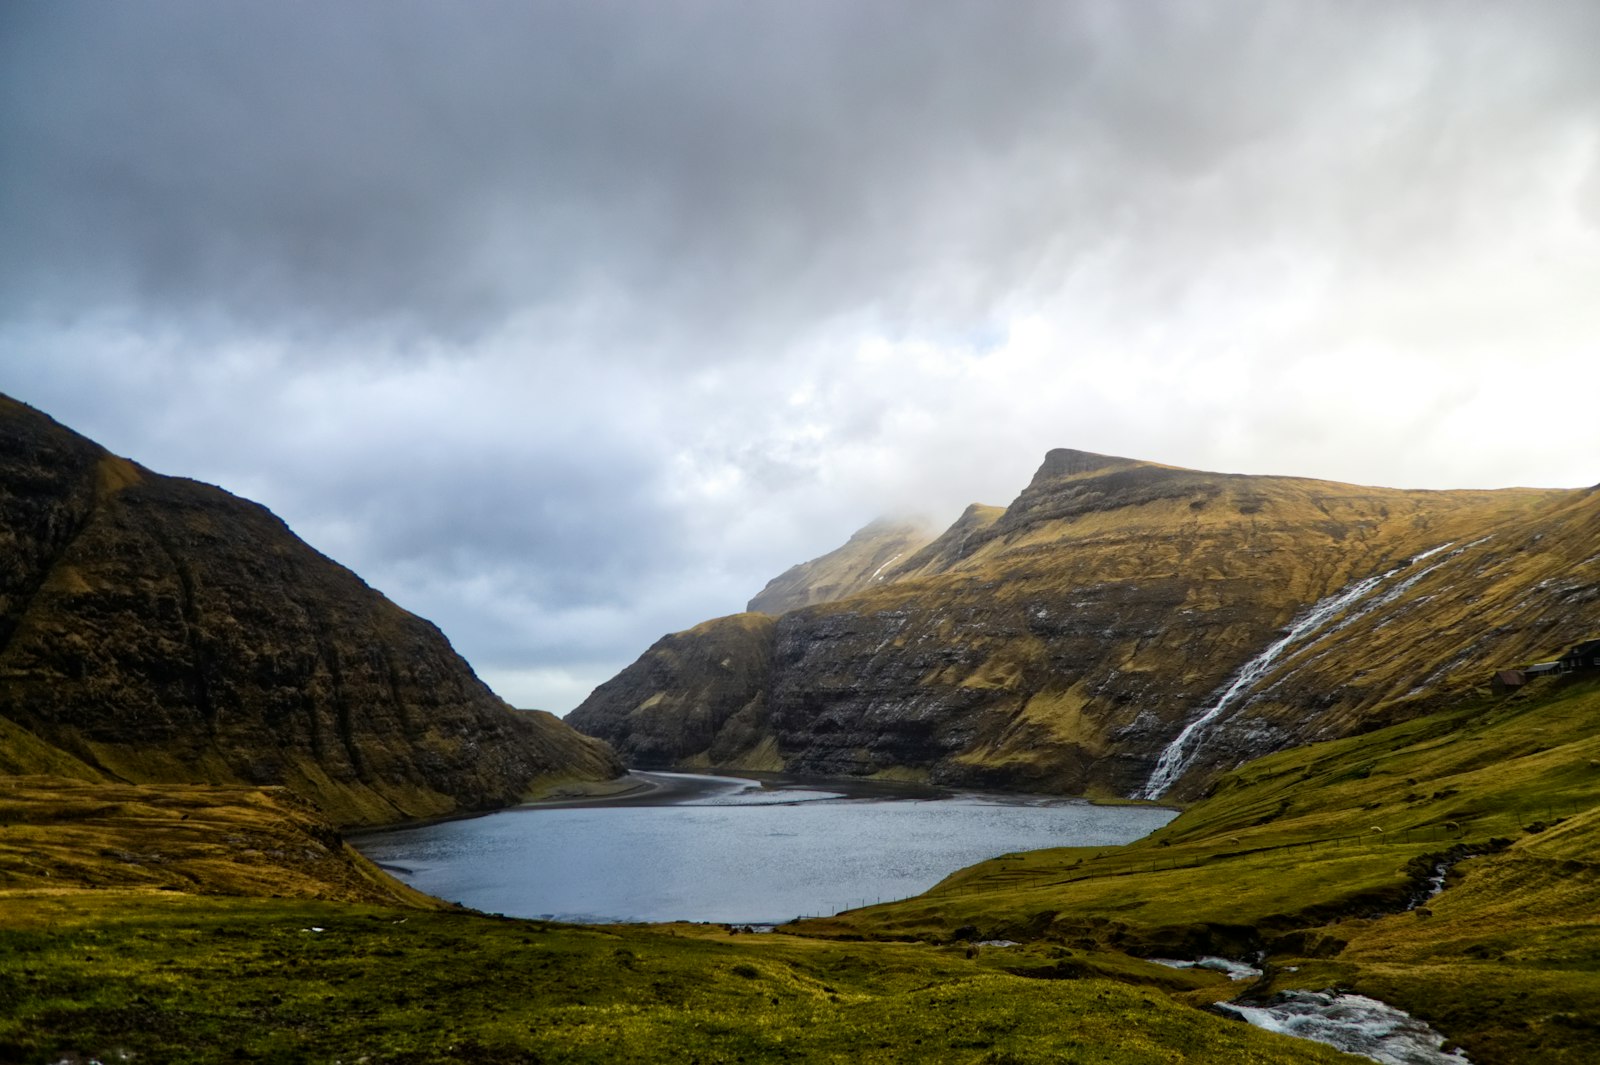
138,924
114,976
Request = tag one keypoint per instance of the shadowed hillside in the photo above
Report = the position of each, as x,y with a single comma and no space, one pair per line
154,629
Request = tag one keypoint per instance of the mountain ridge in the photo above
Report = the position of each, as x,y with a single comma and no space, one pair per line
853,567
1074,635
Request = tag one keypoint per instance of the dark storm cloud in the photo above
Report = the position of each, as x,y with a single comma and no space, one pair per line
443,165
569,323
744,168
724,172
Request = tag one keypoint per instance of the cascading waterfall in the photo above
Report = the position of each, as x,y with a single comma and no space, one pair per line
1178,755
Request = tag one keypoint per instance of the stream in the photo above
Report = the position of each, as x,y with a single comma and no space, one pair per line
1352,1023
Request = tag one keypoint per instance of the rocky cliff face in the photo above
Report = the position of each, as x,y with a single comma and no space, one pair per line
1069,642
160,630
696,699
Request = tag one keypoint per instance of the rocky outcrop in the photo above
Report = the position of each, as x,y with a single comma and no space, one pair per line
161,630
695,699
1069,641
867,558
951,546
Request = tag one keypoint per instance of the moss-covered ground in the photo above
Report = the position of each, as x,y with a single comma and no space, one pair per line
1313,855
60,834
138,924
178,978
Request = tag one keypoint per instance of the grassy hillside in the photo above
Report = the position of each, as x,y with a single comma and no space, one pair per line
183,979
134,920
870,554
1312,855
214,924
695,699
1061,645
59,835
158,630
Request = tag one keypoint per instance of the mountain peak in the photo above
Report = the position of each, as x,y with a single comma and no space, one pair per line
860,563
1069,462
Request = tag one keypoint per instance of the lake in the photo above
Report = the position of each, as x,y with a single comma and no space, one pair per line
734,850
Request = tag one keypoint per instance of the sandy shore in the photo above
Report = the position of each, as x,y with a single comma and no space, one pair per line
641,788
638,788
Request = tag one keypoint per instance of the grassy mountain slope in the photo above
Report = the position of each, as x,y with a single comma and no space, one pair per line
190,923
946,550
62,835
864,559
1062,644
1283,858
154,629
695,699
1312,856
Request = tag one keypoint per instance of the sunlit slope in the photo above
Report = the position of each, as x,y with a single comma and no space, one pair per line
23,753
1304,852
1065,643
947,549
155,629
1521,591
865,558
68,836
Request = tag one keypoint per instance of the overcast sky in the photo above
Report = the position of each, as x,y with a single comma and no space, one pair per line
567,325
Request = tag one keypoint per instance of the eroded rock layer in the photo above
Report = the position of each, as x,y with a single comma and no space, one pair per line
695,699
156,629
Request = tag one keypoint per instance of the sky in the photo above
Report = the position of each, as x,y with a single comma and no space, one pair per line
569,324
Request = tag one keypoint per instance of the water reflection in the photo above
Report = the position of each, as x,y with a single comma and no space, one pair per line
734,850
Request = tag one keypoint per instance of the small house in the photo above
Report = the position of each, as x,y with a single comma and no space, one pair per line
1507,680
1582,658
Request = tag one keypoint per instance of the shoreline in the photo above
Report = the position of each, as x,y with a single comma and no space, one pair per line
635,788
644,787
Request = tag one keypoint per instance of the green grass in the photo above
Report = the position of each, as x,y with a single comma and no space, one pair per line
132,921
59,834
176,978
1305,852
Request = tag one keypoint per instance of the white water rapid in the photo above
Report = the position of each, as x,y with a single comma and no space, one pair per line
1354,1024
1233,970
1181,751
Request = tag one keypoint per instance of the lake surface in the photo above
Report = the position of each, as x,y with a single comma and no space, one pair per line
735,850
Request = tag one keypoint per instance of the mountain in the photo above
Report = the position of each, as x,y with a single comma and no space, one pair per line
158,630
1131,628
855,567
695,699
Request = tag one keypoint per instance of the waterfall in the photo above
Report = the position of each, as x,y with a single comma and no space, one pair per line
1181,751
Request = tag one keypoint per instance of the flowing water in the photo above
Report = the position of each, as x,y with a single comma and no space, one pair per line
1352,1023
1233,970
741,851
1315,623
734,850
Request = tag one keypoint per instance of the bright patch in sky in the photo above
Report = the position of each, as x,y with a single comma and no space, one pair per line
570,325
